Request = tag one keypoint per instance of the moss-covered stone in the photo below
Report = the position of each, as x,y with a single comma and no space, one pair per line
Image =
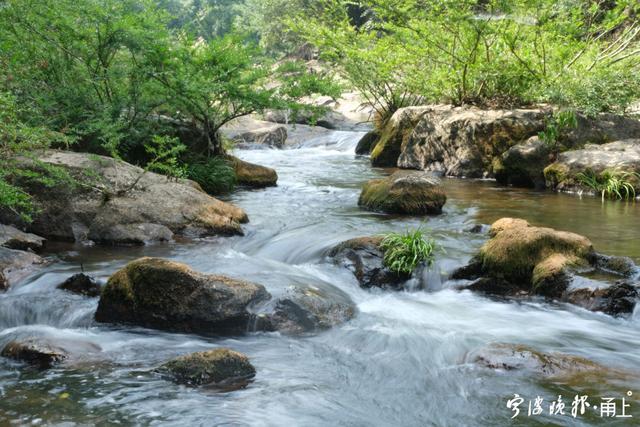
166,295
404,192
253,175
221,366
517,248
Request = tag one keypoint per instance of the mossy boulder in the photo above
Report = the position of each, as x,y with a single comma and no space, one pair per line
364,257
166,295
219,367
34,351
252,175
404,192
523,260
395,134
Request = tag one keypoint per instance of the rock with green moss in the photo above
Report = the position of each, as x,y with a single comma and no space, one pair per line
397,132
220,367
404,192
364,257
252,175
620,156
166,295
523,260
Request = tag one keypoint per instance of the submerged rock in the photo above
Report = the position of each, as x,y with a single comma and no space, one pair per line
522,260
12,238
81,284
364,257
404,192
620,156
116,202
305,310
615,300
35,351
15,265
510,357
170,296
219,367
253,175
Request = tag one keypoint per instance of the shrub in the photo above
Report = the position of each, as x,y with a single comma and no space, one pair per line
610,184
215,175
557,127
403,252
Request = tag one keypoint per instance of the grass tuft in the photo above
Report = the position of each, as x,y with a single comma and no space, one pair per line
610,184
403,252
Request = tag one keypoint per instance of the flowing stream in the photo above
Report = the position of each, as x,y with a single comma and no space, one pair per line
402,361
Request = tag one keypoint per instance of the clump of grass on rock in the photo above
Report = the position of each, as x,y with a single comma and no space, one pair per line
403,252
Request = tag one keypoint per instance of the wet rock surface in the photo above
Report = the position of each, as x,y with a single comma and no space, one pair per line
303,310
365,259
35,351
404,192
81,284
220,367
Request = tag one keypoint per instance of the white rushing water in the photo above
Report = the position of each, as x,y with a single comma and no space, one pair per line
402,361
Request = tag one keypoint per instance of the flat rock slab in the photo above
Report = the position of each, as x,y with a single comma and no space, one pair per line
15,265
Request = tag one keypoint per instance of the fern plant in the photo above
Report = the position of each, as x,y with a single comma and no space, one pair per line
610,184
403,252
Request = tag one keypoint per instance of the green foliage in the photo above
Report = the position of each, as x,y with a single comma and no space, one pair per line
491,53
403,252
215,174
556,128
610,184
19,143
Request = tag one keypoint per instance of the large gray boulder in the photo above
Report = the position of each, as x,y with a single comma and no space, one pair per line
404,192
115,202
16,265
12,238
620,156
274,136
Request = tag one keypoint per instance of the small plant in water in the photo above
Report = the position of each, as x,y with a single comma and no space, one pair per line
404,251
610,184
